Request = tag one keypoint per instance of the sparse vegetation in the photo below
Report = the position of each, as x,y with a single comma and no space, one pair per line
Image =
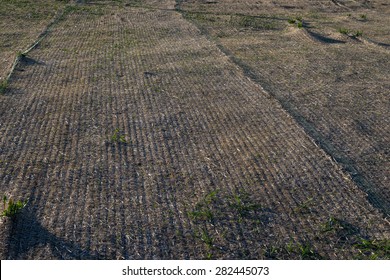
357,33
330,225
373,249
118,137
202,209
298,21
201,214
221,132
242,204
351,33
292,20
292,250
11,208
206,238
343,30
307,252
3,86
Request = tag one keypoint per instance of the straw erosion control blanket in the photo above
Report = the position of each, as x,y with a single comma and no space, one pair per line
133,133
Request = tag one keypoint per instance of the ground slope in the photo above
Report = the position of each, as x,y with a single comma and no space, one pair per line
21,23
326,63
137,138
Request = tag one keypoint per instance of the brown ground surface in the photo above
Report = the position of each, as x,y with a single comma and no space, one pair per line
21,24
335,85
134,135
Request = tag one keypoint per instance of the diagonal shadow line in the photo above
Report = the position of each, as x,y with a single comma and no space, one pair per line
26,61
324,39
384,45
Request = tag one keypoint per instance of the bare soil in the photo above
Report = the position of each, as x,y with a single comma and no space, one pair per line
194,130
331,73
21,24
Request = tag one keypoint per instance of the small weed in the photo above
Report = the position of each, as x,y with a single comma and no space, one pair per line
357,33
304,251
201,214
298,20
12,208
343,30
201,211
241,203
290,247
3,86
211,197
292,20
272,252
117,137
209,256
363,17
206,238
307,252
330,225
351,33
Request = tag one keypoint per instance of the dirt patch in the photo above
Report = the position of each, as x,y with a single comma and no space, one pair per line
138,138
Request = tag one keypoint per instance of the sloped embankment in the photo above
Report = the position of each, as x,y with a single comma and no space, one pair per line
137,138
